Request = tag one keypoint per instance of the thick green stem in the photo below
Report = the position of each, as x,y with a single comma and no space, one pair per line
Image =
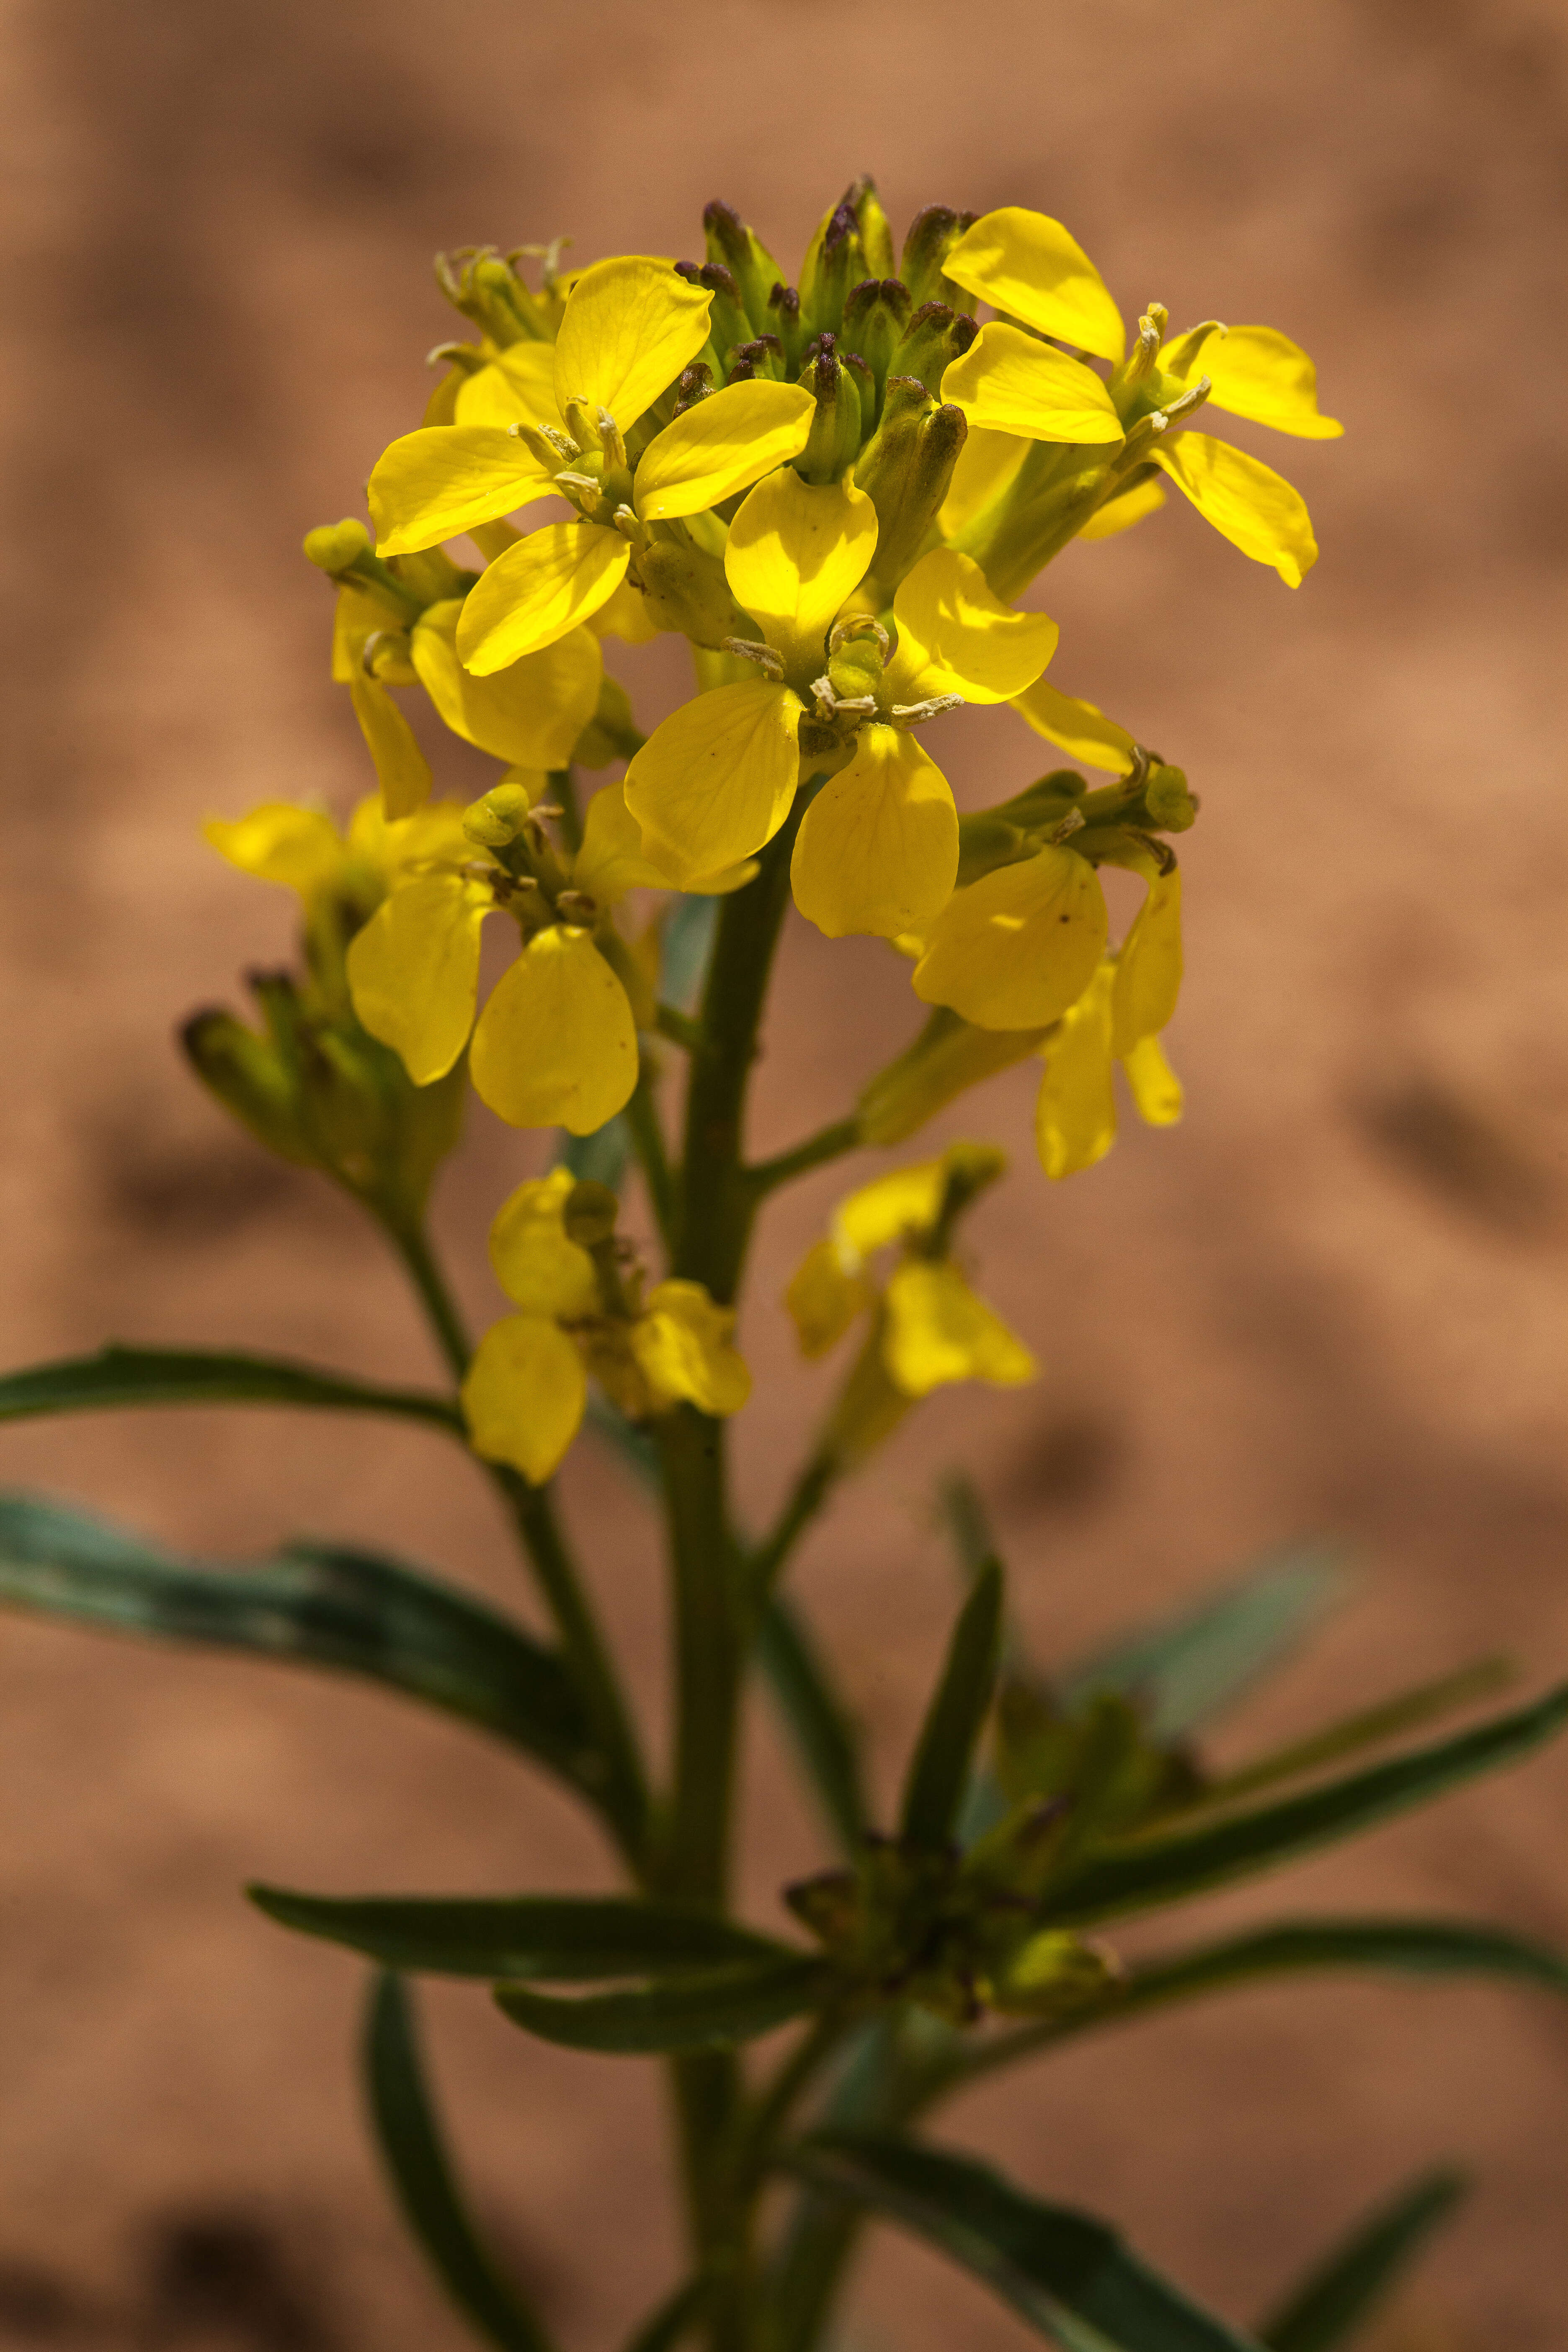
648,1141
807,1497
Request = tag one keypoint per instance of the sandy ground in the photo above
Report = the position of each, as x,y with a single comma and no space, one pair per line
1331,1301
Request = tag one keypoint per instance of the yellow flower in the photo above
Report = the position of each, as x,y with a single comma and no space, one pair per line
929,1328
629,327
877,850
303,850
524,1393
1118,1019
1010,382
1015,948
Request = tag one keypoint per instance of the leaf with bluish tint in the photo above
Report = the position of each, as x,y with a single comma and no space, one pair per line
710,2011
186,1376
944,1752
565,1937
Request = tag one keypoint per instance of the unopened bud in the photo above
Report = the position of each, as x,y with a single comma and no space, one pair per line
694,384
498,817
729,322
835,441
906,469
748,262
334,547
851,243
786,321
247,1076
933,231
876,317
934,338
762,358
1170,804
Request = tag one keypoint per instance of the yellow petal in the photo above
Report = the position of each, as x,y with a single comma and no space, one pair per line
401,765
1009,383
440,481
434,833
1077,727
531,713
518,387
1148,968
986,465
630,326
823,1300
556,1044
414,970
1156,1089
959,638
938,1330
1014,950
683,1347
611,861
523,1395
796,550
1120,513
878,848
1024,262
356,616
1075,1117
535,1263
902,1206
530,596
299,848
715,781
722,445
1247,501
1254,371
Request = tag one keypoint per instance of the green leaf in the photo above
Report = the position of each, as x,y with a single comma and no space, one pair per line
1421,1947
1328,2306
1135,1873
313,1604
1368,1726
1061,2270
710,2011
1185,1670
938,1770
409,2136
566,1938
816,1717
142,1376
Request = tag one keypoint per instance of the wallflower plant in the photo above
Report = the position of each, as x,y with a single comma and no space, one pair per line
836,491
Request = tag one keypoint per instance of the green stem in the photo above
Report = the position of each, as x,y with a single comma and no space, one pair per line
626,1796
807,1497
678,1027
648,1141
829,1144
761,2127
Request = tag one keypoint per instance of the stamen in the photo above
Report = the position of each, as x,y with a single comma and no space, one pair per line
915,714
860,624
763,655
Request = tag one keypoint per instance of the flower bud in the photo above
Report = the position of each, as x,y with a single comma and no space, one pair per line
1171,805
728,322
934,338
748,262
876,317
763,359
498,817
685,588
932,233
784,320
905,470
851,243
246,1075
334,547
834,442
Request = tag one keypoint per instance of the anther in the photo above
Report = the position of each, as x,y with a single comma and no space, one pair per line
763,655
915,714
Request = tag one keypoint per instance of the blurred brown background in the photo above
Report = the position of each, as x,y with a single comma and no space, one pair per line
1331,1301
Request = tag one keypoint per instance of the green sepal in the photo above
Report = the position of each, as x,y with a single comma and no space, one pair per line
1329,2304
713,2011
1062,2271
563,1939
408,2135
118,1376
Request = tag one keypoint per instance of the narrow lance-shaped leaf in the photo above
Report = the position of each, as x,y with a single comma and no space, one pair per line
1135,1873
171,1376
313,1604
709,2011
938,1770
409,2137
1417,1947
564,1937
1370,1727
1182,1673
1344,2289
1063,2271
